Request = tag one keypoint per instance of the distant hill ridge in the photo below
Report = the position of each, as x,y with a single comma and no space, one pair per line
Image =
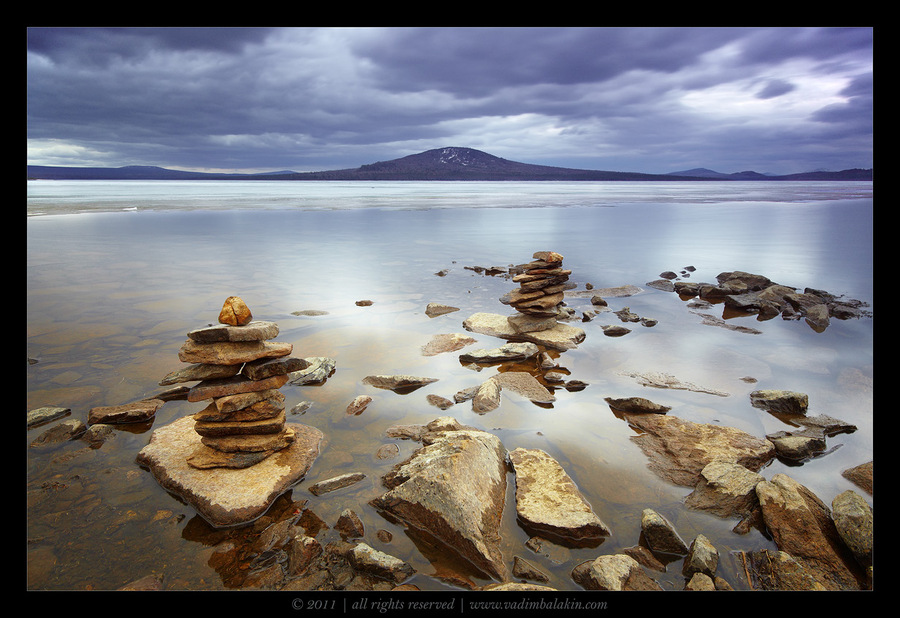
451,163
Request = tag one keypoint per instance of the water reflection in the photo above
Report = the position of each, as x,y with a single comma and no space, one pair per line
110,298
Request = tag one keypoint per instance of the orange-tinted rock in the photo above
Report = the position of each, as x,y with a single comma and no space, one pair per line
235,312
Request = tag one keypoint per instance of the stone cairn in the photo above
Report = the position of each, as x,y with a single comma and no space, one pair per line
539,298
240,371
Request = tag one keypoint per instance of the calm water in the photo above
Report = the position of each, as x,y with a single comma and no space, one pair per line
118,272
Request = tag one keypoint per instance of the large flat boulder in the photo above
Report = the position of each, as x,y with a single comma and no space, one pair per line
679,450
560,337
453,489
227,496
549,503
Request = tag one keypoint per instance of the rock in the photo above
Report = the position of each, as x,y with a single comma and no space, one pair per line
637,405
309,312
625,314
548,501
613,572
231,353
213,389
62,432
854,521
365,558
700,582
661,284
801,526
817,317
205,458
796,447
253,443
702,558
665,380
223,496
39,416
318,370
522,323
615,292
256,330
364,303
560,337
399,383
506,352
454,489
144,584
269,367
440,402
487,397
358,404
448,342
615,330
679,449
228,406
200,371
235,312
861,476
335,483
660,535
780,401
349,525
778,570
725,489
435,309
523,569
302,550
136,412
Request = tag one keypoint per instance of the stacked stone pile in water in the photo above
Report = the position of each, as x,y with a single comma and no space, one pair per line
240,371
542,284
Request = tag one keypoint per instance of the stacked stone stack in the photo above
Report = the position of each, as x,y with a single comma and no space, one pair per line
240,371
542,284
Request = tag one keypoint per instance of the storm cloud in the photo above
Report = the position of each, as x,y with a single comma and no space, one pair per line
778,100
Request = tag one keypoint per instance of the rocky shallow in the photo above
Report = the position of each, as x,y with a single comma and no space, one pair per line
452,490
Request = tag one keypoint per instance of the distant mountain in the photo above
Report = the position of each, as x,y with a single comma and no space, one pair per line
451,163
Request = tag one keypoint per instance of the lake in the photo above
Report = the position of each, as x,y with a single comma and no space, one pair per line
118,272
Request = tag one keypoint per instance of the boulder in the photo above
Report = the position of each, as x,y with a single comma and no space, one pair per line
659,535
801,525
726,489
614,572
702,558
226,496
780,401
854,521
548,502
862,476
487,397
679,449
453,489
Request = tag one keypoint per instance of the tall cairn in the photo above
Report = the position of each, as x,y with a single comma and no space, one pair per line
240,371
539,297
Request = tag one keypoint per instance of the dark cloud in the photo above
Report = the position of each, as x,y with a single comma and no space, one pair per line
646,99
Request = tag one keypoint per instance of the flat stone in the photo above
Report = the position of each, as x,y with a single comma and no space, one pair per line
136,412
39,416
215,429
319,369
228,404
268,367
780,401
560,337
432,310
524,384
397,382
522,323
205,458
513,351
224,496
678,450
549,503
487,397
255,330
335,483
63,431
250,443
231,353
200,371
233,386
636,404
446,342
358,405
259,410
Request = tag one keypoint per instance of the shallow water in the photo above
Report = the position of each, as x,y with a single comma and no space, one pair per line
111,294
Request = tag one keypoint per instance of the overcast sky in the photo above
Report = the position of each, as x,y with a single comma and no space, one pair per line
774,100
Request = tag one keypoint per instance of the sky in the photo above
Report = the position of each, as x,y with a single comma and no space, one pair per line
774,100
